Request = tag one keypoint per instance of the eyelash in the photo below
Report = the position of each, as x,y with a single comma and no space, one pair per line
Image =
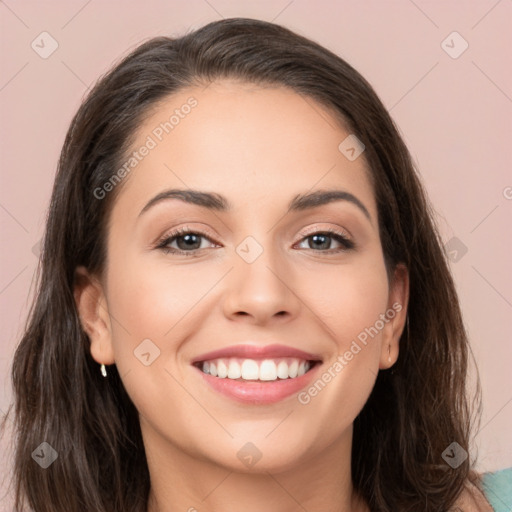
336,235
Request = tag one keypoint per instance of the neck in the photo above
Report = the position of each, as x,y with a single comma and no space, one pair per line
182,482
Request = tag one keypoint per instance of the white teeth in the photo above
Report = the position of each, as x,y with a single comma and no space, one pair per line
234,372
222,369
268,370
250,369
293,369
282,370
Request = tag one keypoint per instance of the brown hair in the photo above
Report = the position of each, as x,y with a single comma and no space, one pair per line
413,413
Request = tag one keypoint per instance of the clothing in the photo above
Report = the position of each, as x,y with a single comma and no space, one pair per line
498,489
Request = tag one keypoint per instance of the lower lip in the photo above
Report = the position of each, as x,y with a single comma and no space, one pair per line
258,392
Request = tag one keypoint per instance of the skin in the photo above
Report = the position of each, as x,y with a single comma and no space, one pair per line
259,147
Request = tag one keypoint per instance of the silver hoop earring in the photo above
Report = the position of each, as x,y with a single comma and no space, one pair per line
103,370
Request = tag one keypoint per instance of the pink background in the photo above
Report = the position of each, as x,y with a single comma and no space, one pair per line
454,113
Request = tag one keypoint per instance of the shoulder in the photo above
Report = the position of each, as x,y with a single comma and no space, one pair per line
497,486
472,498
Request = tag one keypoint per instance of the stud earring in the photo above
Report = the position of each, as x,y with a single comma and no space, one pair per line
103,370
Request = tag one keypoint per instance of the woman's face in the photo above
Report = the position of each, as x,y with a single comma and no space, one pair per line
262,277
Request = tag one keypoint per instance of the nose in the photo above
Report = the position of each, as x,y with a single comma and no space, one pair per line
262,291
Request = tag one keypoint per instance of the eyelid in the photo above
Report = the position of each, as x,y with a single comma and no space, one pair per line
315,229
177,232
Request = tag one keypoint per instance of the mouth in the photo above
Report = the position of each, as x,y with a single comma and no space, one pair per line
255,374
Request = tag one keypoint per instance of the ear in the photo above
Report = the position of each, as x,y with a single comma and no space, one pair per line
396,315
92,308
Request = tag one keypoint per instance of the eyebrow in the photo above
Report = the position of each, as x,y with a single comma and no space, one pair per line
217,202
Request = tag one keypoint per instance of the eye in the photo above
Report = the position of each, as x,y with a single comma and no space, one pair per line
188,242
322,240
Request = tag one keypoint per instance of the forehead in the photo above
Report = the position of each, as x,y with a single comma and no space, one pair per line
246,142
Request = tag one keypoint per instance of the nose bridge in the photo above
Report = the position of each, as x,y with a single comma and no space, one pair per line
258,285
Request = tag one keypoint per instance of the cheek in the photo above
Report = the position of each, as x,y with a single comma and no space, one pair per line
151,301
350,303
348,299
154,309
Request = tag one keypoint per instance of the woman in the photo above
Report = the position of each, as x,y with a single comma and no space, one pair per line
244,301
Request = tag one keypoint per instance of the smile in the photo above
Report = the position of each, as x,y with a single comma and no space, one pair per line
257,374
256,370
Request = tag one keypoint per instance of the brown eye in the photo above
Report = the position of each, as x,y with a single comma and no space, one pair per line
187,242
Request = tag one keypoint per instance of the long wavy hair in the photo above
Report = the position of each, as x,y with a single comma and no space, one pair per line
414,413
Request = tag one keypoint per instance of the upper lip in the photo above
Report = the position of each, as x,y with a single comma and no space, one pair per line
251,351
